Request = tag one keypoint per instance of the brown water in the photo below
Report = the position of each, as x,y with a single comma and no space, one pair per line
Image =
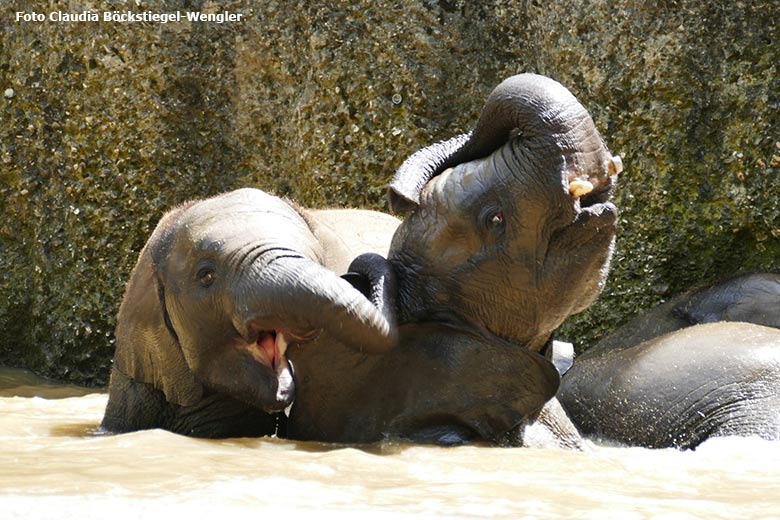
52,465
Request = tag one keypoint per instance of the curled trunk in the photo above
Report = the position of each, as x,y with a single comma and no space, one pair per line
536,109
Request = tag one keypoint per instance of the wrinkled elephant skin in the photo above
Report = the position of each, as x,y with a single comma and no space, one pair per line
704,364
681,388
510,231
221,289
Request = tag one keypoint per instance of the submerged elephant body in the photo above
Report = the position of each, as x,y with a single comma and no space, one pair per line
422,391
219,291
510,231
681,388
704,364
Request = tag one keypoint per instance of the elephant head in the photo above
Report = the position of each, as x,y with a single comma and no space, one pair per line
221,288
511,228
510,231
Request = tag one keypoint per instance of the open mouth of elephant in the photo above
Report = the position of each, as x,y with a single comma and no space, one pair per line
271,345
590,191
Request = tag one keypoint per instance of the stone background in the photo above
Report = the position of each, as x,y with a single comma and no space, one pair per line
106,125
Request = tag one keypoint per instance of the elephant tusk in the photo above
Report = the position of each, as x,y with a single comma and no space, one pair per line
615,165
281,348
579,188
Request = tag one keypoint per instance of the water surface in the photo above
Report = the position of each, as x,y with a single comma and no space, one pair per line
53,465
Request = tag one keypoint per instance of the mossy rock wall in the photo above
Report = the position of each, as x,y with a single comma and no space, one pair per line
106,125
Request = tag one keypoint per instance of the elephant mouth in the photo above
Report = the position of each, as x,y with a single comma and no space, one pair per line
271,345
591,191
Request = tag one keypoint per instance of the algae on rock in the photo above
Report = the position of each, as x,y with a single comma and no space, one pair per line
107,125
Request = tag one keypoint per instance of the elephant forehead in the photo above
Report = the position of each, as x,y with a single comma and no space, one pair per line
245,203
245,222
215,226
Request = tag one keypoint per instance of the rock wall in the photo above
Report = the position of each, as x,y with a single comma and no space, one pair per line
108,124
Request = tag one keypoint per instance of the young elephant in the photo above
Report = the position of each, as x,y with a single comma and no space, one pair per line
511,231
221,289
704,364
681,388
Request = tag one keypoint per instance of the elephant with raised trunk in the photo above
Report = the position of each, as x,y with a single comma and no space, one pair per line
223,287
510,232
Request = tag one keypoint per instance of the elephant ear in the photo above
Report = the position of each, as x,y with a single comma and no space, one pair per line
147,349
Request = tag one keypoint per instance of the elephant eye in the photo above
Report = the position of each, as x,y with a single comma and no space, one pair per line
491,218
206,276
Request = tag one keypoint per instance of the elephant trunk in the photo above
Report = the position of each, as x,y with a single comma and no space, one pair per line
535,109
298,296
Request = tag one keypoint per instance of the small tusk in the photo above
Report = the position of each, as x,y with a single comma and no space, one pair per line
615,165
281,344
579,187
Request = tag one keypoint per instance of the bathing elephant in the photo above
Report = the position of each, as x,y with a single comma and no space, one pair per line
510,231
681,388
220,290
704,364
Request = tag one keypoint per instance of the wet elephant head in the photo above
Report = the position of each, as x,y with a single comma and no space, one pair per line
220,290
511,225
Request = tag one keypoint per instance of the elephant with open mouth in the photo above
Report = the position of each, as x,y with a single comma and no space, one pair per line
223,287
510,230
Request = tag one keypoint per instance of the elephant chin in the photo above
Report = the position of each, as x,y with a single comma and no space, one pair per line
254,368
592,235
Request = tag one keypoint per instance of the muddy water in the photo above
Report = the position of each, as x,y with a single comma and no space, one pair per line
53,465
